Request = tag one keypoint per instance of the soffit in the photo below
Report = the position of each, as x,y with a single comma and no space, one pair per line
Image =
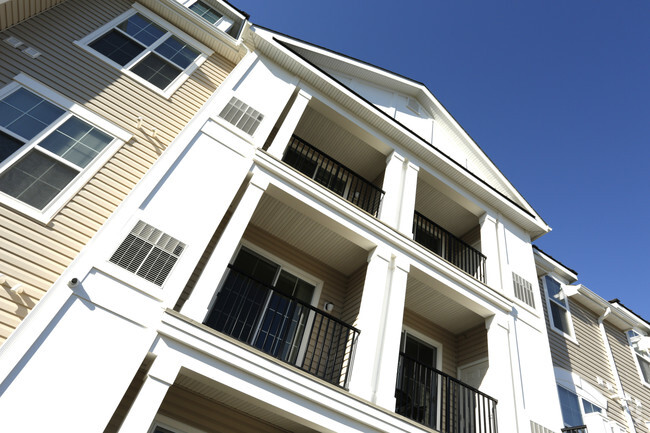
435,306
14,11
238,401
522,215
308,236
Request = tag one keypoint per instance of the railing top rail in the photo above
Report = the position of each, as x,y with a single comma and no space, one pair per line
339,163
453,379
294,299
418,214
575,428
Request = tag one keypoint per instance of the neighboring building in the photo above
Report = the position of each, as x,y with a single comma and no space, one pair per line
208,226
601,354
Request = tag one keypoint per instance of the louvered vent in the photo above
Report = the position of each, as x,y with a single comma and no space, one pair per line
242,116
523,290
149,253
538,428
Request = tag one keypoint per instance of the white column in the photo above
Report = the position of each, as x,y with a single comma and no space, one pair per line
490,249
196,306
289,125
398,204
161,376
408,198
369,322
500,380
389,344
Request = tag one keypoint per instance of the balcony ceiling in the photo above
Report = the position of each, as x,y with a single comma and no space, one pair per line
238,401
308,236
434,305
327,135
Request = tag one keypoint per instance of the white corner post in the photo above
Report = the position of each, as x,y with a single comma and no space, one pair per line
499,380
160,377
398,204
196,306
289,125
390,341
380,322
490,249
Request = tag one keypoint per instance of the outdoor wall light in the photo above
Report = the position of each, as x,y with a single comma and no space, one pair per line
329,307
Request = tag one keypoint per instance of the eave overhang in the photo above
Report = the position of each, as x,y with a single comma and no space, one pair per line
276,47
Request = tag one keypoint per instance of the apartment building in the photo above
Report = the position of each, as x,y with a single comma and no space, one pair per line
600,353
242,231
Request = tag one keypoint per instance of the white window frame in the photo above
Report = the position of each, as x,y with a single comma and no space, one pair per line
224,23
571,334
85,174
204,51
636,354
573,383
171,424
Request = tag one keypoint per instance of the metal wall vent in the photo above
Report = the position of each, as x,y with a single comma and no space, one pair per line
14,42
523,290
148,253
242,116
31,52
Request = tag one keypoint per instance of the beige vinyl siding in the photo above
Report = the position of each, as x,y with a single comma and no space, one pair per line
472,345
431,330
33,253
587,358
210,416
15,11
630,377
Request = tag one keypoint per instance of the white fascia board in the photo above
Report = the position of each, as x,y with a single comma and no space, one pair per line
529,220
419,91
619,316
548,264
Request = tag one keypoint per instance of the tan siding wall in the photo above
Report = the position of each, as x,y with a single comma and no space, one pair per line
210,416
630,377
472,345
15,11
587,358
435,332
353,297
36,254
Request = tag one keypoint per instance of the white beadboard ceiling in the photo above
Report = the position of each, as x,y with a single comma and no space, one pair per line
237,401
308,236
329,137
434,305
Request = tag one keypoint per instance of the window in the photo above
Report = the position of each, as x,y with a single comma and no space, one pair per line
148,253
210,14
165,424
148,49
570,406
641,348
558,306
48,144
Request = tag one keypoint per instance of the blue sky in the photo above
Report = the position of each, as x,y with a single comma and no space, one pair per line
556,92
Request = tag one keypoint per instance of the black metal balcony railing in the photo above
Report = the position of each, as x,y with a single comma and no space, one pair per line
333,175
441,402
284,327
576,429
449,247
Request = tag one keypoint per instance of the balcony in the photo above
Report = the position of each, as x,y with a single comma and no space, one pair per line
449,247
284,327
439,401
333,175
576,429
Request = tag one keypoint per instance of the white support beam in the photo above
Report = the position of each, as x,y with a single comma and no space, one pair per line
289,125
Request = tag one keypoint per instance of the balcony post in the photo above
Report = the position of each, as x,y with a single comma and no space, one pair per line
160,377
490,249
196,306
398,205
380,323
289,124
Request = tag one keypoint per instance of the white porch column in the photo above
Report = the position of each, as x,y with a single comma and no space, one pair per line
500,379
490,249
369,321
161,376
289,125
398,204
389,344
380,322
196,306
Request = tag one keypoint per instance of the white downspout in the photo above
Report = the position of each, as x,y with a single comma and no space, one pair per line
612,364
